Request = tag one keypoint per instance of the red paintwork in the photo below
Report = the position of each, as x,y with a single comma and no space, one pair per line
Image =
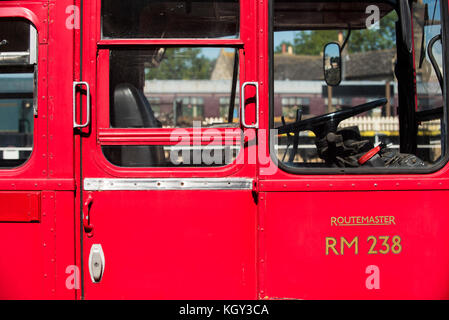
215,136
34,256
197,244
173,245
20,206
302,270
172,42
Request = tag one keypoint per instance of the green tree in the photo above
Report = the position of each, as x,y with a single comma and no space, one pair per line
182,64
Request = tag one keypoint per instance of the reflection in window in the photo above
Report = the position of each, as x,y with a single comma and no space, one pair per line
173,87
224,109
177,156
189,109
18,69
170,19
292,105
377,74
427,25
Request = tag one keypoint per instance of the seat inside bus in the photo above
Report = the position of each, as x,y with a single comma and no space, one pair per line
131,109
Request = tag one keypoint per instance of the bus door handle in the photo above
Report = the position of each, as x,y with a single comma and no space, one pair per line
243,107
88,227
77,84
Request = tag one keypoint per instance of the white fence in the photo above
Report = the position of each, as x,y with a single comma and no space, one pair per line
376,124
389,124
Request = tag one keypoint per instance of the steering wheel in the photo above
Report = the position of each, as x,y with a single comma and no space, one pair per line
324,127
326,123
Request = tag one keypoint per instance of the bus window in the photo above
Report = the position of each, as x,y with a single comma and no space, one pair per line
175,88
369,115
179,86
170,19
18,70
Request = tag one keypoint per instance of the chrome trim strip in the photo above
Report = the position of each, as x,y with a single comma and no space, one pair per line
93,184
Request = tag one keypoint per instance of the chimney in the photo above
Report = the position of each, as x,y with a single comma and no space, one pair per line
284,48
340,38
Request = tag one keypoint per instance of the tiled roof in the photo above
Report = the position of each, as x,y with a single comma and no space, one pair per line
369,65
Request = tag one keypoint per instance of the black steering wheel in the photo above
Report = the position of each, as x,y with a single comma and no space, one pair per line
322,125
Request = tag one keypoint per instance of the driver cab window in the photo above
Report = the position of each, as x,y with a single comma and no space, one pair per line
351,67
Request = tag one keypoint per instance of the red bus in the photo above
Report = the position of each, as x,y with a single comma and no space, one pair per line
224,149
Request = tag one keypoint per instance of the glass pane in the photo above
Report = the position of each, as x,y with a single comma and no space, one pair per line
170,19
192,87
179,156
18,56
427,25
377,89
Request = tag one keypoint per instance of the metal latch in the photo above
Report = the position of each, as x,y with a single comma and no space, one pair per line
96,263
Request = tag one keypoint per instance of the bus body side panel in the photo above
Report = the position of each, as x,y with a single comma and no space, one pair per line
356,245
38,257
37,224
173,245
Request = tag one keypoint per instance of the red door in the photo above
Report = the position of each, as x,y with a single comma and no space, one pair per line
36,173
336,229
167,195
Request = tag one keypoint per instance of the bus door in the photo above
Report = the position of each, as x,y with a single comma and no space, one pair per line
167,193
357,208
36,174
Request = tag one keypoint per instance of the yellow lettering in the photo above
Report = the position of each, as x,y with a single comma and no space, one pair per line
354,242
333,221
331,243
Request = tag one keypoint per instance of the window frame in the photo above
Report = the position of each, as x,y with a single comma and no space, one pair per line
360,171
34,167
102,38
160,136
